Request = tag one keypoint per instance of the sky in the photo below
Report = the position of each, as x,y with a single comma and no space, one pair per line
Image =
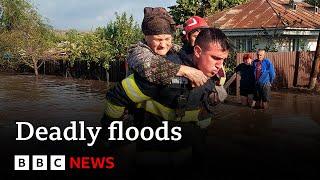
86,15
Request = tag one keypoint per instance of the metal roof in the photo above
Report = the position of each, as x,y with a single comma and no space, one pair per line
257,14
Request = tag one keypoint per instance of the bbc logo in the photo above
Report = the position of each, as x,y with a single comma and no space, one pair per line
39,162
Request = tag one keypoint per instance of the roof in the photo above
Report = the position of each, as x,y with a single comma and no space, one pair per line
257,14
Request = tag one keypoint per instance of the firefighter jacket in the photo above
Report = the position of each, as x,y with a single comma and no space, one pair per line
176,102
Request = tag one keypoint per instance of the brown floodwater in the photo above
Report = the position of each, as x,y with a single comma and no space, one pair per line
49,99
284,139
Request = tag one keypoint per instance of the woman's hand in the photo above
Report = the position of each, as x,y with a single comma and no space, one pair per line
194,75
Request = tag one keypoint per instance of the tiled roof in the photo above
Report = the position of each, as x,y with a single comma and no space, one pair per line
257,14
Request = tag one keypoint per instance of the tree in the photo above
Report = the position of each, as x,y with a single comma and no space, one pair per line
24,34
25,38
315,66
71,44
105,44
121,33
33,42
313,2
316,62
187,8
85,47
15,13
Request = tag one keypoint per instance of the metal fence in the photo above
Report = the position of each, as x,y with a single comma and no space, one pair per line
84,69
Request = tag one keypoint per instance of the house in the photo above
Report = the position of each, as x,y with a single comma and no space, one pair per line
274,25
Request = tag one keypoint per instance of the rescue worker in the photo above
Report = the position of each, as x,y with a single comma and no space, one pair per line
191,29
178,104
153,65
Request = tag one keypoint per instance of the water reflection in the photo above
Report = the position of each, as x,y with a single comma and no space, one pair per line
282,140
49,99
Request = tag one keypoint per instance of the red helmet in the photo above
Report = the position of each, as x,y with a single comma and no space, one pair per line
193,23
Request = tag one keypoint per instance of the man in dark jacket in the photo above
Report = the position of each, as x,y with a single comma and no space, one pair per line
211,49
178,104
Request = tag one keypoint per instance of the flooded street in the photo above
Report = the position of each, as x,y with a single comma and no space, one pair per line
284,139
50,99
280,143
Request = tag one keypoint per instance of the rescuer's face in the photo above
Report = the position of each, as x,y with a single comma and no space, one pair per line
210,59
192,37
160,44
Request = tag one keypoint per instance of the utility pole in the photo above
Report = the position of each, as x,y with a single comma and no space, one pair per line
315,66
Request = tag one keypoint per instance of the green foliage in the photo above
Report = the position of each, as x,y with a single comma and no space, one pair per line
313,2
229,3
25,38
16,13
231,62
24,34
177,37
73,45
187,8
84,46
121,33
103,45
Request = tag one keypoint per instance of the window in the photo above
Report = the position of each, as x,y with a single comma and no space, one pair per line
243,45
297,44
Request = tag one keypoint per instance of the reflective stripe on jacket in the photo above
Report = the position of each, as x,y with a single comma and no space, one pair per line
136,92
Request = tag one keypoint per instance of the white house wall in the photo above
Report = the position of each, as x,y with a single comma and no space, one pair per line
262,38
312,46
283,45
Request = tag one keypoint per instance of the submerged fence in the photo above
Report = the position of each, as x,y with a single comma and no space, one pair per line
84,69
